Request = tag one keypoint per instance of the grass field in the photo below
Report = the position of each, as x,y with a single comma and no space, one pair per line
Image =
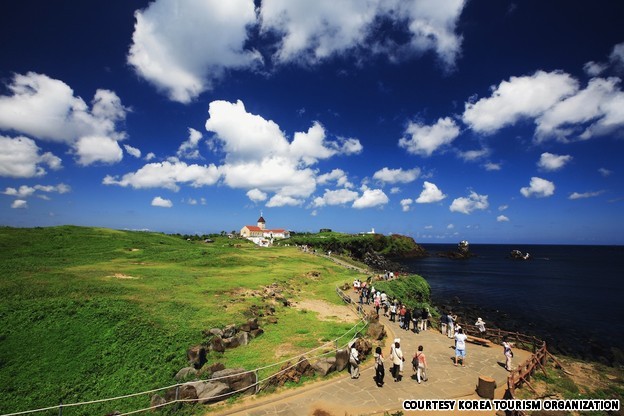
90,313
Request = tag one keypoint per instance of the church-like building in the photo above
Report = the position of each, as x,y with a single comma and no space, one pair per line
262,236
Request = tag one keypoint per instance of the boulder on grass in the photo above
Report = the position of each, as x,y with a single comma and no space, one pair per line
185,373
324,366
212,391
229,331
256,332
376,331
207,370
342,359
238,379
216,344
197,356
364,347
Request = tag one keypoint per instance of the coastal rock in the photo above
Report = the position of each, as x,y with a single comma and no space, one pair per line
241,338
342,358
376,331
288,372
186,372
304,367
237,379
208,370
456,255
364,347
372,317
256,332
188,392
253,323
196,356
324,366
216,344
157,400
217,332
229,331
212,391
184,392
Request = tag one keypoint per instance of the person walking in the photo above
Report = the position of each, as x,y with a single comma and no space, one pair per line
407,319
460,347
420,364
443,322
397,358
508,353
481,325
393,308
424,319
450,324
379,367
354,362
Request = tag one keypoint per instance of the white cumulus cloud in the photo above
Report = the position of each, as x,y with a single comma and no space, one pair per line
337,175
283,200
406,204
423,140
313,31
594,111
19,203
46,109
467,205
396,175
551,162
502,218
161,202
132,151
430,193
258,154
20,157
518,98
256,195
167,175
336,197
188,149
371,198
182,48
539,188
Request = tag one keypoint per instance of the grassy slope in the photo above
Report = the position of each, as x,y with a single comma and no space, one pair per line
70,330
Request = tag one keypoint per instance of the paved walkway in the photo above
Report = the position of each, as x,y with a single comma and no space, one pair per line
343,396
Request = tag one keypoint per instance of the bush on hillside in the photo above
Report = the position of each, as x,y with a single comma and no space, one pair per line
412,290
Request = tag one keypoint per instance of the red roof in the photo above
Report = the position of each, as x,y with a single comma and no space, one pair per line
256,228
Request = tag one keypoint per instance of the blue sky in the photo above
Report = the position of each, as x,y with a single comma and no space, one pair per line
491,121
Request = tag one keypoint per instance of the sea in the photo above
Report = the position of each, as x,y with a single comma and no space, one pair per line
570,296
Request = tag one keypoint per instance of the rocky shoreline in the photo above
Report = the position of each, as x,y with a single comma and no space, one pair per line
571,342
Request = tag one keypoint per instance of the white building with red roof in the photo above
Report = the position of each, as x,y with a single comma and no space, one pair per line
261,235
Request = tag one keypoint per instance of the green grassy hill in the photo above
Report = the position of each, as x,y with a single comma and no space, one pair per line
90,313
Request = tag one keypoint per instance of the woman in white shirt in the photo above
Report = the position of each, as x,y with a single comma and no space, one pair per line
396,355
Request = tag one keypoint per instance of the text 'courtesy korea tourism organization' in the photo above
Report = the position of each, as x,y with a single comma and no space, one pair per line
511,405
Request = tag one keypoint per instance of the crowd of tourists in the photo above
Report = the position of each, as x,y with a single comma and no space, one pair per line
415,320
